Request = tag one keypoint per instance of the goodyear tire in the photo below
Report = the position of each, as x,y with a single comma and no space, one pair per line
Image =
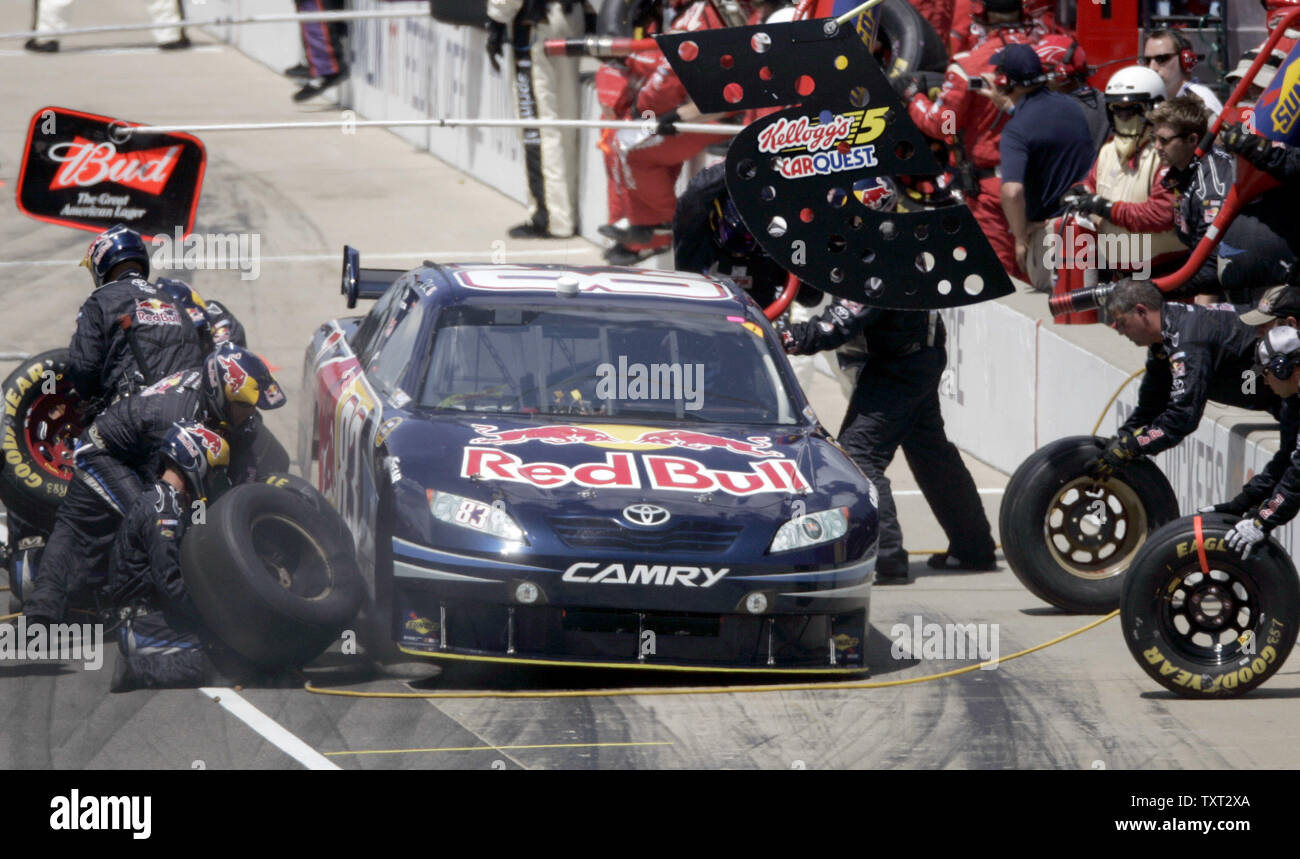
270,456
271,576
908,42
303,489
38,432
1209,635
1069,538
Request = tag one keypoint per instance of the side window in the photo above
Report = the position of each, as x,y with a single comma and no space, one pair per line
364,341
396,342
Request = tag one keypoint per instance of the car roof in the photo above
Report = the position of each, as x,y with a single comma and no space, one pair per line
447,284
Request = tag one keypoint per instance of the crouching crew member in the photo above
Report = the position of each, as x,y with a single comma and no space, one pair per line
162,640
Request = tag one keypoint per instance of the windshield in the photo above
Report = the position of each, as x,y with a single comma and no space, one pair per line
702,367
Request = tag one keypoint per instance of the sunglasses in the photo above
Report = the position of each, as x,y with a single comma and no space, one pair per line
1165,141
1158,59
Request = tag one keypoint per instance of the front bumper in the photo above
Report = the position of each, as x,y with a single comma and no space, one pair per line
462,606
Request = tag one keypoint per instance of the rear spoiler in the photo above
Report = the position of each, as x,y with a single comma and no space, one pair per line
361,282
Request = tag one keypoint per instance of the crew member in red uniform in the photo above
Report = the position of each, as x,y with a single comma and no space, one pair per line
643,167
974,21
971,124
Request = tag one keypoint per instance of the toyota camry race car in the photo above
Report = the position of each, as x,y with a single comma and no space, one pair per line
587,466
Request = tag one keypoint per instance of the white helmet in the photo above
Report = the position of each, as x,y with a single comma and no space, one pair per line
1135,84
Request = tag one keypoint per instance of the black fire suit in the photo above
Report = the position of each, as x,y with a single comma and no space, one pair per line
102,361
163,641
1207,353
896,402
1261,245
1273,495
114,457
694,248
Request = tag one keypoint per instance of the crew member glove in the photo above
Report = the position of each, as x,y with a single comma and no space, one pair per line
907,85
1252,147
666,124
1246,535
1120,451
788,343
496,43
1233,507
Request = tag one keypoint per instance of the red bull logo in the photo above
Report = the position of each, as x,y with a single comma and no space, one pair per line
561,434
655,438
212,442
754,446
151,311
619,470
236,378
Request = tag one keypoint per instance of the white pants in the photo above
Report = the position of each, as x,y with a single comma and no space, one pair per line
52,15
551,154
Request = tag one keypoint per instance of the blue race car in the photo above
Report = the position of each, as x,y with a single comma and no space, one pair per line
592,466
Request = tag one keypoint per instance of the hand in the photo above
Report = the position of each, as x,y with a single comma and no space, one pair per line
496,43
907,86
1252,147
1246,535
788,343
1119,452
1088,204
1233,507
1022,255
667,123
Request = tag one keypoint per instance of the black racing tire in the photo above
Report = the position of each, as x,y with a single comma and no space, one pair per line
271,576
269,455
1066,547
304,489
614,18
38,433
1215,635
907,41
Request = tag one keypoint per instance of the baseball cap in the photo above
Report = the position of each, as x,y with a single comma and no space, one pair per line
1264,76
1278,303
1020,63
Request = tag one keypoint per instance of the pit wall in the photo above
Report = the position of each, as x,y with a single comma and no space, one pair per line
419,68
1015,381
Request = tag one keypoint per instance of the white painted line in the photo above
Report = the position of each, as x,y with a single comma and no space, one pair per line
995,491
272,730
510,257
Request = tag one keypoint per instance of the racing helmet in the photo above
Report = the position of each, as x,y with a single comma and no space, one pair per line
1062,56
184,296
236,375
729,230
111,248
1278,352
194,450
1135,85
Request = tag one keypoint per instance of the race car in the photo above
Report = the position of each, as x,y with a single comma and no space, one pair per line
594,466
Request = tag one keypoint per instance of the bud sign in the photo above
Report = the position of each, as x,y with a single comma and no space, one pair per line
77,173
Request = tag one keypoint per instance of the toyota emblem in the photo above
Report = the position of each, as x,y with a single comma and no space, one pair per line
645,515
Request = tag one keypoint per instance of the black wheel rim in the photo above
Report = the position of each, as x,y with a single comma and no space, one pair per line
1210,618
291,557
1093,528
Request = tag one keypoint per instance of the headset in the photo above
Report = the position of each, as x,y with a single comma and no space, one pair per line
1280,365
1187,58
